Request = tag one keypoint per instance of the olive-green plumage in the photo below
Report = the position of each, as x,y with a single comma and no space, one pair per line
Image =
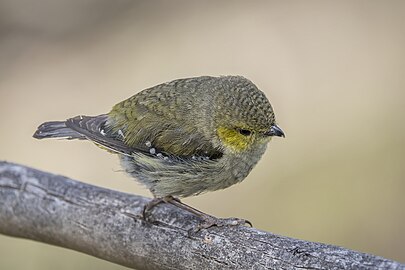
184,137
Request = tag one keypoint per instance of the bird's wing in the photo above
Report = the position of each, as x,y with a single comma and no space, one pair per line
143,127
92,127
171,138
158,117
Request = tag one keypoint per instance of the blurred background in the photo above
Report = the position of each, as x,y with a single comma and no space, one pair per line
333,70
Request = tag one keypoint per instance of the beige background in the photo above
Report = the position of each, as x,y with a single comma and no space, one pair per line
333,70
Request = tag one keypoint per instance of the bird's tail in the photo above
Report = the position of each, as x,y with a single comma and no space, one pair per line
56,129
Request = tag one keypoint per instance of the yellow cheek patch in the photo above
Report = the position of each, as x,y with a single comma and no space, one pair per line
233,139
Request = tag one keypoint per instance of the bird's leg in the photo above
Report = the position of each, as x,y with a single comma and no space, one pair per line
148,207
208,220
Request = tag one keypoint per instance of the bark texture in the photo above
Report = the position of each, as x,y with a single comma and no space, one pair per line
107,224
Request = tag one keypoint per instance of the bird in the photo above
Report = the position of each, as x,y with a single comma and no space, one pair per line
182,138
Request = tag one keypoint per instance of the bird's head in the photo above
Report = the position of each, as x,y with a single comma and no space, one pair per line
244,116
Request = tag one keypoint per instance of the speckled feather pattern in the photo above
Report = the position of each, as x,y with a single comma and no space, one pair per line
180,119
181,138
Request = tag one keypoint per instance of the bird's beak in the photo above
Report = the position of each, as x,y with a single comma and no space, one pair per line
275,131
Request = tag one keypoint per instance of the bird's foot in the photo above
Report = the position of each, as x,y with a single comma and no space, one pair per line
208,221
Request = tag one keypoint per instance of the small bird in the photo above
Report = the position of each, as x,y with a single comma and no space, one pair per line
182,138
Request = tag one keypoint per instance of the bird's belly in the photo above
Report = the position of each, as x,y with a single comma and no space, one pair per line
181,178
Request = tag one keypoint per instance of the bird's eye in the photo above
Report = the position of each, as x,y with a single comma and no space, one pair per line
245,132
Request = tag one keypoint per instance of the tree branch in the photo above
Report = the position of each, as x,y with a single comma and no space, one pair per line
107,224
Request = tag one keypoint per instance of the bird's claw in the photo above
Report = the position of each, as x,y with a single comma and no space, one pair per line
208,221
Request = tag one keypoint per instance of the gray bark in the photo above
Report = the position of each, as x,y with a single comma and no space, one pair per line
107,224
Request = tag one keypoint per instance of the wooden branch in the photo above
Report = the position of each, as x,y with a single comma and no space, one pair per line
107,224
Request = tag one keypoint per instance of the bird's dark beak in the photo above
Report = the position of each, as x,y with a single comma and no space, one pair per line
275,131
